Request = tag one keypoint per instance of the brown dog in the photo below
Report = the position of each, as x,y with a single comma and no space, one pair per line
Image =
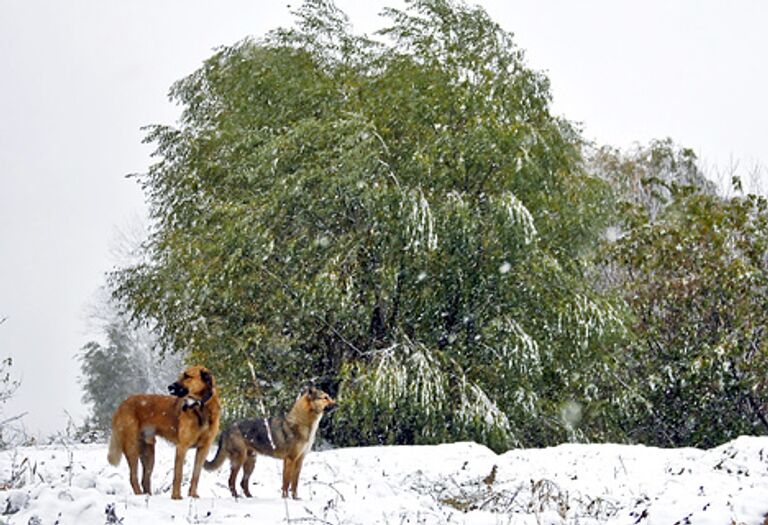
189,418
287,437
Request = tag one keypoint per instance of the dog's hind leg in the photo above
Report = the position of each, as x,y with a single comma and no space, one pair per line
131,452
248,466
147,463
236,459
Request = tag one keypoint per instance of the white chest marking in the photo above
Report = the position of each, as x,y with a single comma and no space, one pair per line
312,434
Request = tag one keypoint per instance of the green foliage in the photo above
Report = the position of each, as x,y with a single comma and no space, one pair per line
695,280
412,397
404,222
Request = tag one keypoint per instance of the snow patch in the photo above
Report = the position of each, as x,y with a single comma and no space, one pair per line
463,483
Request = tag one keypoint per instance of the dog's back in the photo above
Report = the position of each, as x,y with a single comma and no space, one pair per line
269,436
141,416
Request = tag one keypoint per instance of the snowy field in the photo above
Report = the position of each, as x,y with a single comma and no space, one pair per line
453,483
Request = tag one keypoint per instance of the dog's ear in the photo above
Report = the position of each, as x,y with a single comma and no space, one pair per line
207,378
308,389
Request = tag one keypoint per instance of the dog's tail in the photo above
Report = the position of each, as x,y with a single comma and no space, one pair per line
115,448
219,458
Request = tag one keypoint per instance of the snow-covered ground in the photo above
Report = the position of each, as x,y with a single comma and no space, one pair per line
452,483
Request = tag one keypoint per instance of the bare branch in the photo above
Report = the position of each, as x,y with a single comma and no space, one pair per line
14,418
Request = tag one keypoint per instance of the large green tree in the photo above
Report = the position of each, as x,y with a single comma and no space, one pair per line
403,220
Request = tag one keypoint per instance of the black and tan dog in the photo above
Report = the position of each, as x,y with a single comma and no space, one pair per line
189,418
289,437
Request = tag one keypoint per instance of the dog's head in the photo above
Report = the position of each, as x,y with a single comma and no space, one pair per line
196,382
318,401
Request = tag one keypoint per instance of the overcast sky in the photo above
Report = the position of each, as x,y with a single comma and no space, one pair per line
79,78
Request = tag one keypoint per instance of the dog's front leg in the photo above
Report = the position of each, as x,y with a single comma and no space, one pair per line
199,460
287,475
178,467
294,481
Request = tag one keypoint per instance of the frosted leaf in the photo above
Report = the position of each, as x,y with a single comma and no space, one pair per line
519,215
420,228
415,378
516,348
585,318
476,406
505,267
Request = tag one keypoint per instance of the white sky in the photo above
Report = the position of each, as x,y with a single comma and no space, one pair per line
79,78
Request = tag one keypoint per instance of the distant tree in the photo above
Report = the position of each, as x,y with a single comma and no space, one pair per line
126,364
647,177
691,267
404,222
104,388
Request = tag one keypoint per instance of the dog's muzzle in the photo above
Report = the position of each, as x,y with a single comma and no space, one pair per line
177,390
330,408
